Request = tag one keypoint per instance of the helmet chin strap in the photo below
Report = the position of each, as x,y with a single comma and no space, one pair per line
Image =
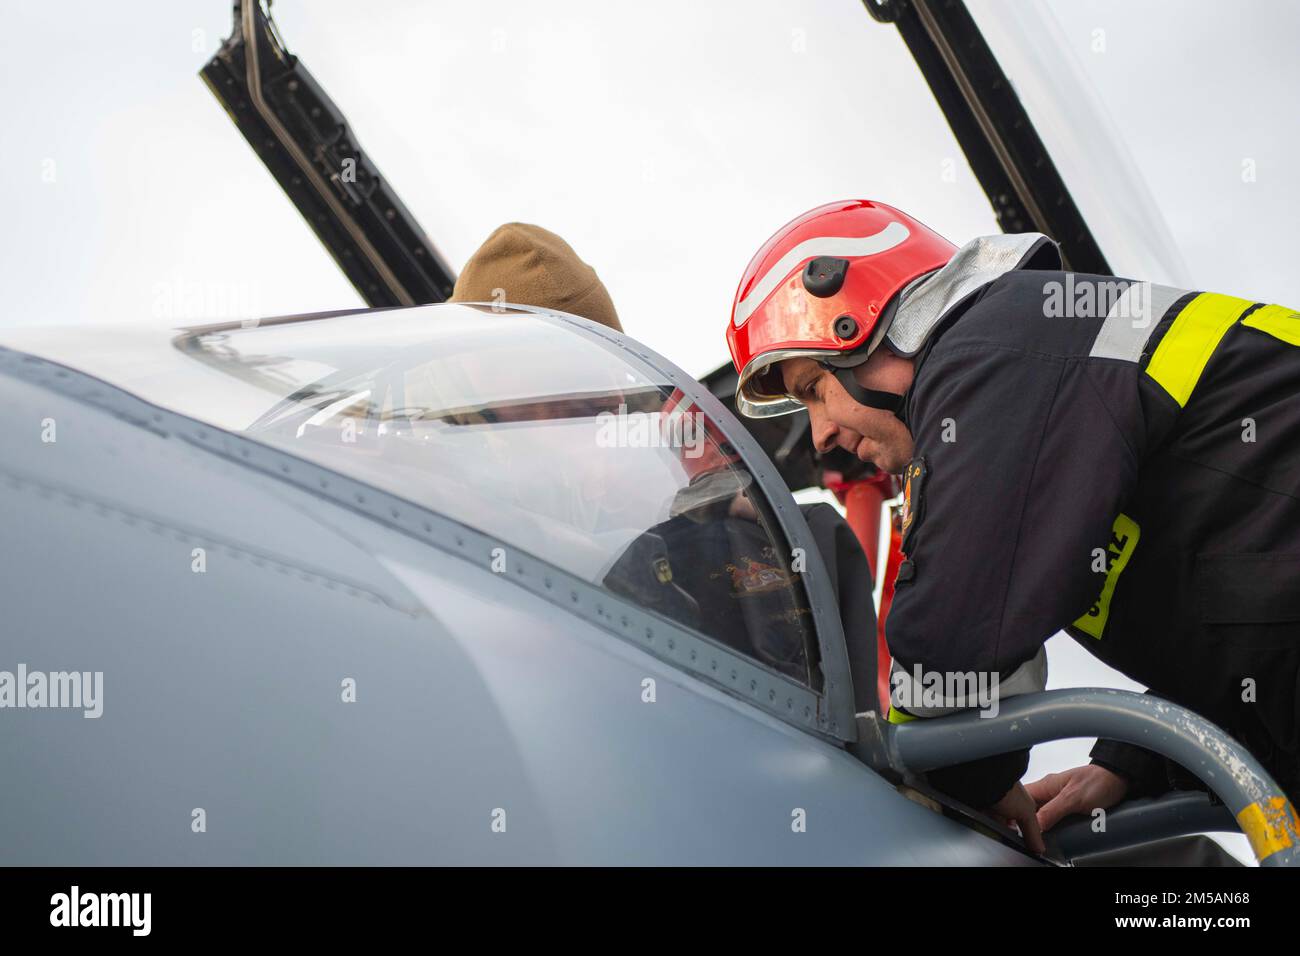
872,398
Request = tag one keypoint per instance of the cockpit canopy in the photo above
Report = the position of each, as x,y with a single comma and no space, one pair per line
548,436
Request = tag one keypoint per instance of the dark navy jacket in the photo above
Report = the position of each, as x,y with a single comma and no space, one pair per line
1123,461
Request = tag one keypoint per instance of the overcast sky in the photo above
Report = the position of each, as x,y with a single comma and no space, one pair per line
665,141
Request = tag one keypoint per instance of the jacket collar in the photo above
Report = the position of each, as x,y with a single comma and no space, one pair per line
922,306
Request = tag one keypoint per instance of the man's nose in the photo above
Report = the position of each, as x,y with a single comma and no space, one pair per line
824,431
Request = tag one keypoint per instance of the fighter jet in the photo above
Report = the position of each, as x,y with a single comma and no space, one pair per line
433,583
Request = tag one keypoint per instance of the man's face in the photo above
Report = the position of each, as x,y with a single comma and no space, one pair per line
872,434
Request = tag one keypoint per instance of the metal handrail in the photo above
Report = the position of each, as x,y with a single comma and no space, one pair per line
1259,806
1144,820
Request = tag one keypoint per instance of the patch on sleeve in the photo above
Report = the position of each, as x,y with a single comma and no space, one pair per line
913,498
1123,539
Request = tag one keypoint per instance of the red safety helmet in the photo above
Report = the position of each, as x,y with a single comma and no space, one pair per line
820,288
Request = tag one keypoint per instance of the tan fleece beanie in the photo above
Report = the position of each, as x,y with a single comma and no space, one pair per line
533,266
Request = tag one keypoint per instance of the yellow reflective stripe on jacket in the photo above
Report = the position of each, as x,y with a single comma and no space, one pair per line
1278,321
1182,354
1124,538
898,717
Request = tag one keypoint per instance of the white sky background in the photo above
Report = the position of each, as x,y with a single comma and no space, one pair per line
665,141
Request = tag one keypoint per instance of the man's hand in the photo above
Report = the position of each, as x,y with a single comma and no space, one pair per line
1081,790
1017,806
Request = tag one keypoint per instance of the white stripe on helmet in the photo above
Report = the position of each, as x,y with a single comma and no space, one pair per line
841,247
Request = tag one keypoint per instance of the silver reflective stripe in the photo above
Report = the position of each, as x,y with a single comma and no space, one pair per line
840,247
906,692
1131,319
1029,678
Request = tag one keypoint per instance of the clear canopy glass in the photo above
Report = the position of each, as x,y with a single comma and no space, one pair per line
554,441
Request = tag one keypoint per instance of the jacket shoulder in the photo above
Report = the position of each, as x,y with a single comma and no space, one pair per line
1049,312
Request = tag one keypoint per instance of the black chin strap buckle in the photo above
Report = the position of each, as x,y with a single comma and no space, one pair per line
872,398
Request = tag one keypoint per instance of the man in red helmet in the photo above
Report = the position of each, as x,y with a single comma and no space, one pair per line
1045,424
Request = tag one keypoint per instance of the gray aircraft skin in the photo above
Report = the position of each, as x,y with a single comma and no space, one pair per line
231,592
468,634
